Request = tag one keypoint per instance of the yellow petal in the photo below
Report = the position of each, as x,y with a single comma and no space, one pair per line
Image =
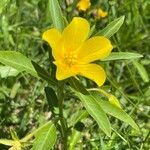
95,48
63,71
93,72
52,36
75,33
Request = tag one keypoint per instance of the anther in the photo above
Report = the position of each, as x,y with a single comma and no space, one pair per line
70,59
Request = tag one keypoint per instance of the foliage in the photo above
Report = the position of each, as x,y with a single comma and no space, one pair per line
78,110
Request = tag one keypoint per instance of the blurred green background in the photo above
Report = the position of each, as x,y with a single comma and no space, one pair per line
23,104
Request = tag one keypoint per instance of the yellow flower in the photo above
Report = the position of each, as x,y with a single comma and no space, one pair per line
83,5
101,13
73,52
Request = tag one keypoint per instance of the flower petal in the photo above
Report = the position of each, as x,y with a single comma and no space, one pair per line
52,36
63,71
93,72
75,33
95,48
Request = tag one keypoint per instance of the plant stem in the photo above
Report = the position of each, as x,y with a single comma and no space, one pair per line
64,128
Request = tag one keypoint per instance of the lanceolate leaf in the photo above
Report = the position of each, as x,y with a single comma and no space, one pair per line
6,142
112,27
51,98
122,55
21,63
18,61
77,86
95,110
115,111
43,74
45,138
56,15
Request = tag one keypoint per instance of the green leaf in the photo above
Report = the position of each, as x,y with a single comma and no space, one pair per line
103,146
14,135
122,55
142,71
112,27
43,74
113,100
95,110
51,98
75,137
14,90
3,4
18,61
6,142
120,135
115,111
76,85
78,116
45,138
6,71
56,15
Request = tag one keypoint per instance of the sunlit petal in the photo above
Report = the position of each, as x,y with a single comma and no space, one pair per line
52,36
75,33
96,48
93,72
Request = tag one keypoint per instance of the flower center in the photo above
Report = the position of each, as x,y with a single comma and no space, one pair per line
70,59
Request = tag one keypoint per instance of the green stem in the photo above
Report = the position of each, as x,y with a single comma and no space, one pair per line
64,128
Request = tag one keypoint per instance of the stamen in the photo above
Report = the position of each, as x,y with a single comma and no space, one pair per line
70,59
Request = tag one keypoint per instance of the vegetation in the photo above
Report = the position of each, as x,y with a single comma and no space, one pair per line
39,112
